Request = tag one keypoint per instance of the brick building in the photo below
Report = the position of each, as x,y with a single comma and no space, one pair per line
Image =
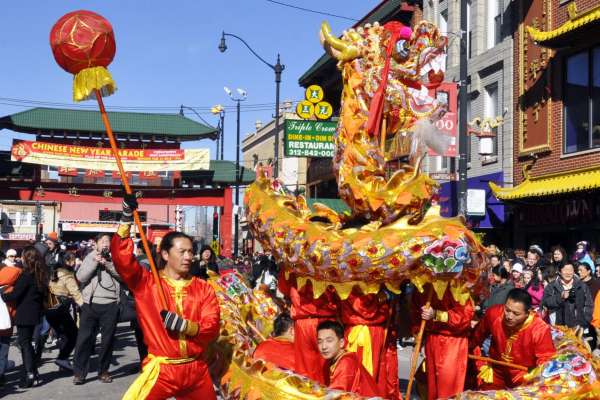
555,198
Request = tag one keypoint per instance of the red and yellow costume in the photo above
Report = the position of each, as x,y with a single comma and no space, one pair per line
446,343
347,374
529,345
307,312
174,366
278,350
365,319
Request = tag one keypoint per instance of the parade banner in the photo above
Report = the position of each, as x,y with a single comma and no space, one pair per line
94,173
100,158
309,138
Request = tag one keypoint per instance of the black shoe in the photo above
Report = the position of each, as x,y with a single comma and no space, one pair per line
78,380
2,380
29,381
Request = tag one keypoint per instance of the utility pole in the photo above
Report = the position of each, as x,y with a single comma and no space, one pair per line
278,68
237,185
463,145
39,227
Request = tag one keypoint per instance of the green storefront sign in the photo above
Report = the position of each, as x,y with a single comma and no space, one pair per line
309,138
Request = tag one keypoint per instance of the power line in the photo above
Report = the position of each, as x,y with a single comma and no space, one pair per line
312,11
259,107
202,109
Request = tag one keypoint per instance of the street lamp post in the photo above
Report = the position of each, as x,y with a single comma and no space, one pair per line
278,69
238,100
218,109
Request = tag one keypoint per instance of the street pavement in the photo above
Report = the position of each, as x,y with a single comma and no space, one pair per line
57,385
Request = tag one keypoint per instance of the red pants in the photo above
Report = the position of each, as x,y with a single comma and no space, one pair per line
446,365
189,381
390,373
308,360
385,361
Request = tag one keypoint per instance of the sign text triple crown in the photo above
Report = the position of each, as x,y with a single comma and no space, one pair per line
313,105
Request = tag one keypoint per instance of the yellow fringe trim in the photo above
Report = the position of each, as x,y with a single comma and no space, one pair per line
88,80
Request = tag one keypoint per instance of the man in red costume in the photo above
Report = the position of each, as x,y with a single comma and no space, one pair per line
279,349
365,318
446,342
307,312
519,336
345,371
176,337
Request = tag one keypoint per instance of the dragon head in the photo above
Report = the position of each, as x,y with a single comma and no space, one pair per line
413,60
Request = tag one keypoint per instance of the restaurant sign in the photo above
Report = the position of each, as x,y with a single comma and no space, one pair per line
309,138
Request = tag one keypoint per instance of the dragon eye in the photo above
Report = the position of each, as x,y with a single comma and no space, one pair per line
401,51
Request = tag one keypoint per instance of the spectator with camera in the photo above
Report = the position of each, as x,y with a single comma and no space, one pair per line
569,298
101,287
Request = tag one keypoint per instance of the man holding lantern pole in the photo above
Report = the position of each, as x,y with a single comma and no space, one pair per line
176,337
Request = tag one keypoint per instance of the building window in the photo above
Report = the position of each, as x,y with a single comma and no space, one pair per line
494,23
582,101
491,110
443,24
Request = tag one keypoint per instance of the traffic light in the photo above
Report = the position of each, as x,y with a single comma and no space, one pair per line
215,225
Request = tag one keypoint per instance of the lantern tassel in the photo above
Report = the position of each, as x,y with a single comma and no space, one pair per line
88,80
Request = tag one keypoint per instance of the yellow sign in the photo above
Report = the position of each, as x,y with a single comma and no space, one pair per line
305,109
313,105
323,110
314,93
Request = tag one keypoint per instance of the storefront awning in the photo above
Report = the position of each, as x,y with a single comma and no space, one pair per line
577,27
548,185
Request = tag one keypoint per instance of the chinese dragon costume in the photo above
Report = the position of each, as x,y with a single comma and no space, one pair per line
392,234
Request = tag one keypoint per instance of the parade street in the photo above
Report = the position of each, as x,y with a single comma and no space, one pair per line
57,385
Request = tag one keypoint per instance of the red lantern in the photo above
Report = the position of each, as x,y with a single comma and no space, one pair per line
83,43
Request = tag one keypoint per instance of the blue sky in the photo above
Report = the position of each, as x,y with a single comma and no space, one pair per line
167,53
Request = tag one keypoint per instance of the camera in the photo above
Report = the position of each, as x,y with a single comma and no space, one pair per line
105,253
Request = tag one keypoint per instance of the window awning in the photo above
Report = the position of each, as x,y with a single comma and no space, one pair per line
569,33
548,185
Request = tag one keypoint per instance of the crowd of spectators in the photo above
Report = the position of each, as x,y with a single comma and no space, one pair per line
563,287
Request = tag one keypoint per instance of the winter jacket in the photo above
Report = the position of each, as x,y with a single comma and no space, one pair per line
105,290
8,277
573,311
66,286
28,298
498,295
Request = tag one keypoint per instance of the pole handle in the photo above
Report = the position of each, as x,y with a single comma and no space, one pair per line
498,362
136,216
417,349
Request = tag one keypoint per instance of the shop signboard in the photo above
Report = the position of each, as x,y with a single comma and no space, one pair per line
447,93
305,138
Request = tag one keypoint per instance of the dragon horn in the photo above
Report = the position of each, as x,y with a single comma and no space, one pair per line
336,47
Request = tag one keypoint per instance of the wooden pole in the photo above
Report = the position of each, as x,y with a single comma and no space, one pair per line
136,216
498,362
383,135
417,349
256,331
